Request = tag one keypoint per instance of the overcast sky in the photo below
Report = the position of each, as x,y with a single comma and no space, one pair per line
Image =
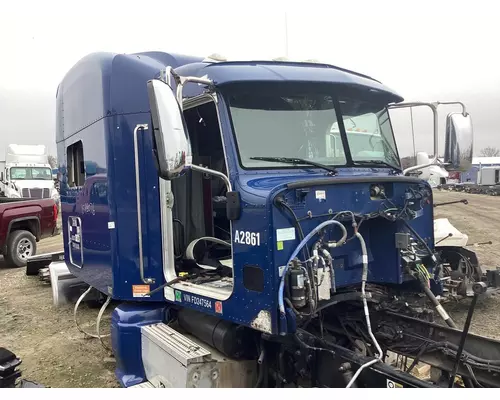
426,51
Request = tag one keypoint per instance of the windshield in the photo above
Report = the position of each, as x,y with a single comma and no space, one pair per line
30,173
304,124
368,131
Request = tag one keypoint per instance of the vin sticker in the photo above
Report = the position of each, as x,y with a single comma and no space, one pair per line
198,301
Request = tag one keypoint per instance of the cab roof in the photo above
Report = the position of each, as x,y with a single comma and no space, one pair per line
223,73
115,84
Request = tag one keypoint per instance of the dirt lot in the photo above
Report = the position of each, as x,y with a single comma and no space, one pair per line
56,354
480,220
53,351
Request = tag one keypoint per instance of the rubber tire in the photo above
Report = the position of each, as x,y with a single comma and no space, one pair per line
11,257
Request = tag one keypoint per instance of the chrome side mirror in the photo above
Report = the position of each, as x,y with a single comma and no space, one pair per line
458,142
171,141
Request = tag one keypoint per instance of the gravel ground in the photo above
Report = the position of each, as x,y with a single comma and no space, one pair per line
56,354
53,351
480,220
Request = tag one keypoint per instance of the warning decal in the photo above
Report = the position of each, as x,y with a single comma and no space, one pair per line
218,307
140,290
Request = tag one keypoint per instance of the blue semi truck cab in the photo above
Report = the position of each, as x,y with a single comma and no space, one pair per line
243,201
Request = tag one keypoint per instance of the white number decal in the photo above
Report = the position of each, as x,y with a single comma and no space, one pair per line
197,300
248,238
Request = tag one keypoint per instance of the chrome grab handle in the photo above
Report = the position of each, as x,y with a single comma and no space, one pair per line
142,127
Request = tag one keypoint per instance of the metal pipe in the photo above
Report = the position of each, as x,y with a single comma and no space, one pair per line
214,173
181,80
138,198
413,135
462,339
75,310
98,324
436,136
464,110
167,224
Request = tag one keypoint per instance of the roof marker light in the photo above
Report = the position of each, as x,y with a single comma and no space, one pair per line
281,59
215,57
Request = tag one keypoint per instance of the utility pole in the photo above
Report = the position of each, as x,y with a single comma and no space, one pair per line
286,35
413,135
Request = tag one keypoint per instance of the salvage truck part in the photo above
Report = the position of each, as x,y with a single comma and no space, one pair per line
270,230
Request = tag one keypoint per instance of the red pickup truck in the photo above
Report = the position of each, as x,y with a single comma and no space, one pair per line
23,222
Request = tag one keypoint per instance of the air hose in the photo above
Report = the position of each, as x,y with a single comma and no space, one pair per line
364,278
438,307
294,254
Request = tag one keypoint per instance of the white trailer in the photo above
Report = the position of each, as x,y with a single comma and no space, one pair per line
489,175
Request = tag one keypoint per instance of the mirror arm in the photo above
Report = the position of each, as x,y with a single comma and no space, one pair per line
214,173
464,110
433,107
168,73
182,80
417,167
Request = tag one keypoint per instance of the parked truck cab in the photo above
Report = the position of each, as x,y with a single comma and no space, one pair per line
254,193
26,173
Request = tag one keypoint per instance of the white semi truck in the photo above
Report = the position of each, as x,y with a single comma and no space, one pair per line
26,173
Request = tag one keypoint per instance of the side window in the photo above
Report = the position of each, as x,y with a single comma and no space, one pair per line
98,193
76,164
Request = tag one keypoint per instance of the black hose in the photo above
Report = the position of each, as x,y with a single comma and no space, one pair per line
350,296
301,343
183,238
260,377
417,359
289,303
280,201
439,308
182,278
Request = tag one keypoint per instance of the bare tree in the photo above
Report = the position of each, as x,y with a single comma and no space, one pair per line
52,161
409,161
490,152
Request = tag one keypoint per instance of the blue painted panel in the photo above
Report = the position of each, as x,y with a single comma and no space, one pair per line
90,204
383,257
126,322
127,274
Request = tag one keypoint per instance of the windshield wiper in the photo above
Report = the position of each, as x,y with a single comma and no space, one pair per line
295,161
376,162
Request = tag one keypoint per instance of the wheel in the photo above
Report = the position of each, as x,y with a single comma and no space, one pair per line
20,245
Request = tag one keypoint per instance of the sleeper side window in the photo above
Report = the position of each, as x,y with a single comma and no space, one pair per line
76,164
